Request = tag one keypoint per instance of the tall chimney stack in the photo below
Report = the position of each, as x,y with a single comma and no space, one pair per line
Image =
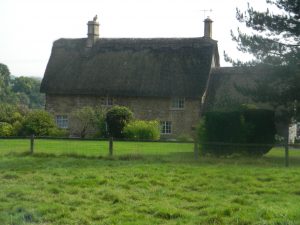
208,27
93,32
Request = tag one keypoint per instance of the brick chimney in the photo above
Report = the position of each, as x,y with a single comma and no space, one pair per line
93,32
208,27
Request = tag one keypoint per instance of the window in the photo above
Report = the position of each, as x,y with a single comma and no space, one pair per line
107,101
178,103
165,127
62,121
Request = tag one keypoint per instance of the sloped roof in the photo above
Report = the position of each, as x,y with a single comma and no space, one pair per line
158,67
222,92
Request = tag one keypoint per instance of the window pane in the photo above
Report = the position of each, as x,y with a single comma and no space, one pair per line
166,127
62,121
178,103
110,101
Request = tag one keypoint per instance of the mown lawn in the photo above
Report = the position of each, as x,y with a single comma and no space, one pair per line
168,188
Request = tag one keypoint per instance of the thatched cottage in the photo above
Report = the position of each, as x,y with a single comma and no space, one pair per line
158,78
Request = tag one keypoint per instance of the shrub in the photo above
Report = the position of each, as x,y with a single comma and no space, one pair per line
58,132
83,121
38,122
5,129
100,124
142,130
117,118
247,131
17,128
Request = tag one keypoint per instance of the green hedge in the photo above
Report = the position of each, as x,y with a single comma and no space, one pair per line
142,130
248,131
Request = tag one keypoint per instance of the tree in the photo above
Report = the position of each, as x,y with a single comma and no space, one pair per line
117,118
84,120
4,82
27,90
274,42
275,37
38,122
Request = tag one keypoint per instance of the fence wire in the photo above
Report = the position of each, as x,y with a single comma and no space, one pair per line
169,150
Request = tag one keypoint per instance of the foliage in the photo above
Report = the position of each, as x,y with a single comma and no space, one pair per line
83,121
6,129
142,130
116,118
4,81
58,132
274,41
10,113
13,116
249,132
100,123
20,90
38,122
28,91
275,36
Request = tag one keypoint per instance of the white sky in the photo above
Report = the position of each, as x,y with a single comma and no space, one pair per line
28,28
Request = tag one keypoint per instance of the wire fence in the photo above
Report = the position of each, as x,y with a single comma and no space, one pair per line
91,147
280,154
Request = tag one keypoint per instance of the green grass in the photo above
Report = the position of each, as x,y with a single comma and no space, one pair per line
92,148
144,187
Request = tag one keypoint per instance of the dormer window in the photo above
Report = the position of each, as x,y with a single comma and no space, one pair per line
177,103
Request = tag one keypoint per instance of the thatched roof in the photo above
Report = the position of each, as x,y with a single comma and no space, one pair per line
222,92
159,67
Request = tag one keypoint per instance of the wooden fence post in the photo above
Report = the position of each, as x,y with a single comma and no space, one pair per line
110,146
286,147
196,149
31,143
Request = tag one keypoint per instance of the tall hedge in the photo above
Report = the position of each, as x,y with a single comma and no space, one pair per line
248,131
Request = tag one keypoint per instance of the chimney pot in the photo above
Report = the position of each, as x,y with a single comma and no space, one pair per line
208,27
93,31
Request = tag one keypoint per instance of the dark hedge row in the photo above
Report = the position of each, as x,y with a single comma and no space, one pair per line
248,131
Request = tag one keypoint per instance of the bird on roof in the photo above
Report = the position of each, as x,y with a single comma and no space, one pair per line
95,18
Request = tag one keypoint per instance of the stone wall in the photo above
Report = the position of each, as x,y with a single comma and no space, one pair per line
183,120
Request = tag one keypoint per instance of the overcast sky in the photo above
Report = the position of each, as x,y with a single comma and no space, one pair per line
28,28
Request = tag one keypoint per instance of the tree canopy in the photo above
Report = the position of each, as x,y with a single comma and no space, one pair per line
274,41
20,90
275,36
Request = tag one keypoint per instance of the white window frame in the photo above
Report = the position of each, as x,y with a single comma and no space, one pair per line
62,121
166,127
177,103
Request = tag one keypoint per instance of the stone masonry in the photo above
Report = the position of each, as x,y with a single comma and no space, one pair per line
183,121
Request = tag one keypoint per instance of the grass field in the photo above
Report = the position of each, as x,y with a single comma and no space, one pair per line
144,187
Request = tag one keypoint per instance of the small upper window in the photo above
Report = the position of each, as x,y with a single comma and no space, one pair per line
178,103
62,121
107,101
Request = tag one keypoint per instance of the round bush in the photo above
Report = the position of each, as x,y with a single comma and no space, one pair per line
117,118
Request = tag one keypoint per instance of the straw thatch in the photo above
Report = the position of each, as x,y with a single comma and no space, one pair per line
160,67
223,91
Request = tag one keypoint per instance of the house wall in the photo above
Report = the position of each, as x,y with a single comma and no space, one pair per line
183,120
